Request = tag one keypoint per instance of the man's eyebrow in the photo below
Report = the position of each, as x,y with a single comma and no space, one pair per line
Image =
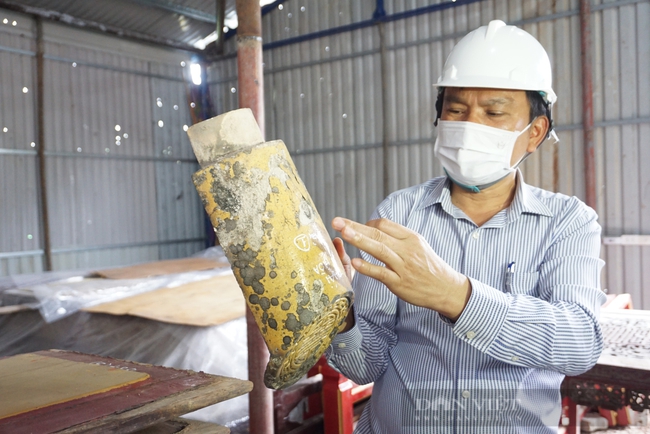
496,101
453,98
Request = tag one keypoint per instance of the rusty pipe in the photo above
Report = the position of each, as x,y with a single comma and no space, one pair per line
587,104
249,58
251,95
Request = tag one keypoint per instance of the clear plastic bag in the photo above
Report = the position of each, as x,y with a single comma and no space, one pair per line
60,299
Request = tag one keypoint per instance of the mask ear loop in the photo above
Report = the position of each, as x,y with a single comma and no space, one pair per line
551,137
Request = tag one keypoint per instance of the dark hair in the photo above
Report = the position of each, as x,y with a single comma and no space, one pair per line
538,107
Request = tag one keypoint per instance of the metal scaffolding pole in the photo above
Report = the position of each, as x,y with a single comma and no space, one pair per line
251,95
587,103
40,116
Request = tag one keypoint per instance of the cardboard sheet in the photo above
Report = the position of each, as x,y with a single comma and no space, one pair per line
15,308
160,268
204,303
32,381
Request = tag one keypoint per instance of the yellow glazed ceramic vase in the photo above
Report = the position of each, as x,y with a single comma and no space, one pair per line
281,255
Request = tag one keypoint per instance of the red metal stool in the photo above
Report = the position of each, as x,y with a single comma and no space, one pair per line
336,402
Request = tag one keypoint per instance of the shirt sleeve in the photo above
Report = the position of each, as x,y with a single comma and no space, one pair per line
361,353
559,330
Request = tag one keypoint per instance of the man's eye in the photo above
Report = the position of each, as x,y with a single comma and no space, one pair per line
495,113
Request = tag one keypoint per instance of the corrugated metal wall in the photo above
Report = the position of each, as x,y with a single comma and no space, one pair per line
118,163
20,237
324,99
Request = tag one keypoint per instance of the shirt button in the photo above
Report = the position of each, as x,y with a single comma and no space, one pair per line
470,335
465,394
475,235
341,345
514,358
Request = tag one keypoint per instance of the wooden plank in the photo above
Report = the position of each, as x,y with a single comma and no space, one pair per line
4,310
205,303
167,393
160,268
31,381
628,240
180,425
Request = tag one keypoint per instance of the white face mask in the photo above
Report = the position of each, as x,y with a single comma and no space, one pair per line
475,156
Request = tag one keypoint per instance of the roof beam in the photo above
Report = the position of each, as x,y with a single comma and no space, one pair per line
169,6
93,25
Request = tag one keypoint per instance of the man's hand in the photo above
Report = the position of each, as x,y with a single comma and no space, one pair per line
413,271
345,260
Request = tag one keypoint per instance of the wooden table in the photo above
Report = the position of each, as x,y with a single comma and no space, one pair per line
154,401
624,365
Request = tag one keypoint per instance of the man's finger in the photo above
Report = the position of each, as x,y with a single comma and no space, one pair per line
382,274
340,250
389,249
377,249
390,228
345,258
375,234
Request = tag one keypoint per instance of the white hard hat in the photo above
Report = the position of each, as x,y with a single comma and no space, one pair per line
502,57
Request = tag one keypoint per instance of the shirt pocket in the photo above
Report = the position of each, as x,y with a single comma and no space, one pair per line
522,283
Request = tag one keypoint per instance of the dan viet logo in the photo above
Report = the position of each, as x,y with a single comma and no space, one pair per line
475,408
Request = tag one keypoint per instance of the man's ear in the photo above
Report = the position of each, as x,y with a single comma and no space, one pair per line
538,131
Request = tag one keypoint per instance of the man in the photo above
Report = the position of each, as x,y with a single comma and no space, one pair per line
475,293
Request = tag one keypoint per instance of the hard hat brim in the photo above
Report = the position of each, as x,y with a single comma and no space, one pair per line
497,83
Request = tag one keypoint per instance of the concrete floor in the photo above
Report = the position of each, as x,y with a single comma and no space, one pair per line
628,430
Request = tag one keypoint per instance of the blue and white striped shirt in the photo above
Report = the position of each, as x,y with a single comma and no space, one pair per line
498,369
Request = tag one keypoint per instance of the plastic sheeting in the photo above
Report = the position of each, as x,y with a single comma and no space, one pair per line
219,350
60,294
57,300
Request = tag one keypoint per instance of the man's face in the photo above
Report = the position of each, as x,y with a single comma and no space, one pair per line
499,108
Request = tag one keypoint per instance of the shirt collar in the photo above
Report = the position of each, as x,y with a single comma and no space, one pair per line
525,200
440,194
